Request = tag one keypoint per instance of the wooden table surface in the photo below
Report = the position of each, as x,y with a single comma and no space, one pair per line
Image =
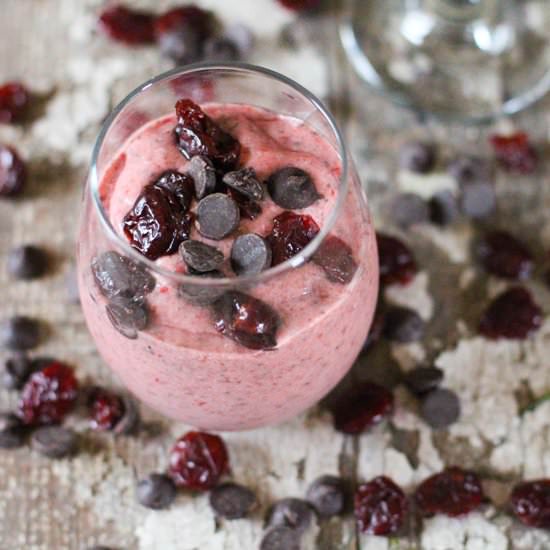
87,500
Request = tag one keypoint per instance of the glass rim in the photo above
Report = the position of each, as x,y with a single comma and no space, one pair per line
292,263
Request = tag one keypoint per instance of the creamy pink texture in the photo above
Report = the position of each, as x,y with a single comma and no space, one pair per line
180,365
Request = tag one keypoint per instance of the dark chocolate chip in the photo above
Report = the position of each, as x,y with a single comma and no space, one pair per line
292,188
440,408
417,156
54,441
221,48
12,431
182,45
250,254
131,419
20,333
470,169
327,494
245,182
71,286
291,512
128,316
281,538
232,501
444,208
217,216
200,294
242,36
403,325
478,200
27,262
156,491
200,256
423,379
17,370
203,173
408,209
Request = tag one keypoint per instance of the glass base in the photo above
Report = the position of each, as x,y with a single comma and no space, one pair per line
472,60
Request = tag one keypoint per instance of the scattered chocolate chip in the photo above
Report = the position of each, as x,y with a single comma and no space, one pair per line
17,370
217,216
131,419
279,538
478,200
423,379
12,431
27,262
182,46
291,512
440,408
12,172
408,209
200,294
403,325
200,256
128,316
292,188
470,169
71,286
417,156
156,491
221,48
242,37
444,208
245,182
54,441
232,501
203,173
20,333
250,254
327,494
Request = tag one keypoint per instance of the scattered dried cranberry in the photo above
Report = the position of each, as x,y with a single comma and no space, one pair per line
291,233
14,98
49,395
247,320
530,502
198,134
198,460
12,172
160,220
300,5
336,259
453,492
515,153
126,25
380,506
505,256
397,262
363,408
512,314
106,409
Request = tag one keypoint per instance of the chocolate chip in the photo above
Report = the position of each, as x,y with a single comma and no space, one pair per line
470,169
12,431
27,262
128,316
291,512
203,173
217,216
417,156
248,209
408,209
131,419
156,491
327,494
200,294
444,208
423,379
72,291
242,36
440,408
17,370
232,501
246,183
54,441
478,200
20,333
250,254
292,188
403,325
200,256
221,48
281,538
182,45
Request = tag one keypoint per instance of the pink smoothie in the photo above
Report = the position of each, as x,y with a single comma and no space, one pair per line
180,365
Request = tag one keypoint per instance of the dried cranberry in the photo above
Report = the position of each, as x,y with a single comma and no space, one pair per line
49,395
247,320
106,409
12,172
291,233
512,314
249,209
515,153
198,134
14,98
300,5
504,256
397,262
453,492
160,220
198,460
530,502
362,408
380,506
126,25
336,259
